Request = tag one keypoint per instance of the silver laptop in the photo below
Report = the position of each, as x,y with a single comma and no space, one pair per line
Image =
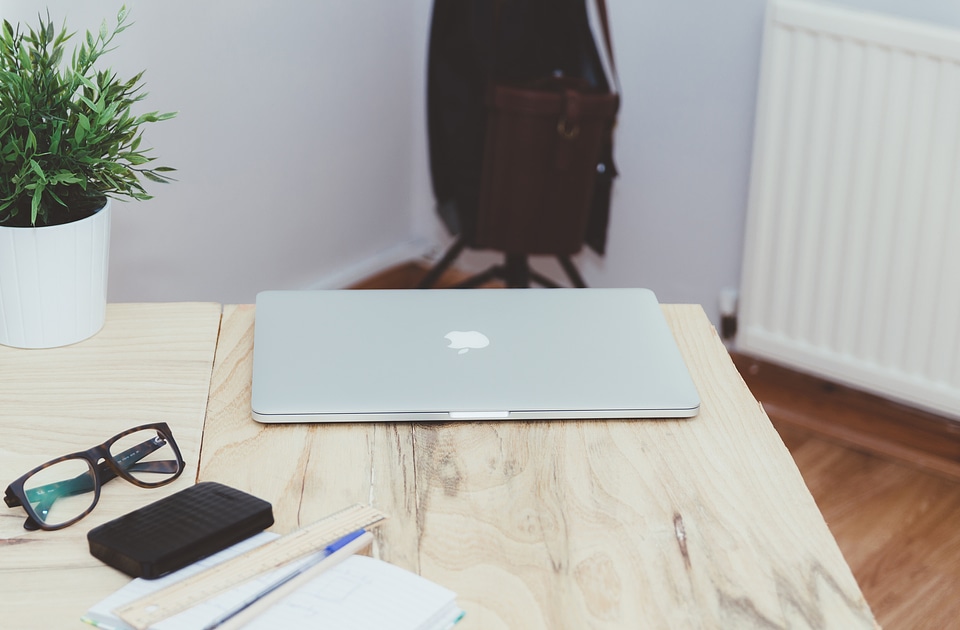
487,354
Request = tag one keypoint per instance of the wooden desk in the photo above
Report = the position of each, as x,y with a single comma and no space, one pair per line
150,363
592,524
604,524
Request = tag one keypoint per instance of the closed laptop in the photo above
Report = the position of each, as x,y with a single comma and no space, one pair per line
421,355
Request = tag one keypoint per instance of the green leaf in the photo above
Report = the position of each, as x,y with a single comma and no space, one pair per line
35,167
35,204
152,176
56,198
88,83
55,138
109,113
8,33
86,101
64,177
103,31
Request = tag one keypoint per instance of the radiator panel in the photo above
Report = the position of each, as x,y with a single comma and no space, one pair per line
852,259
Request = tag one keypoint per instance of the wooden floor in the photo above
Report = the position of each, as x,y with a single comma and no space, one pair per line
898,527
887,480
897,523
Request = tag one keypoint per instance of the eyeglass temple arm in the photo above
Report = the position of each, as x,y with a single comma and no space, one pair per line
10,498
46,495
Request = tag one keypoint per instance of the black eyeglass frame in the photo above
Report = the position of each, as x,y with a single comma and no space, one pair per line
104,471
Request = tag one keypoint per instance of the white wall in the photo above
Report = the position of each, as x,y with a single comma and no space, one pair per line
301,142
293,141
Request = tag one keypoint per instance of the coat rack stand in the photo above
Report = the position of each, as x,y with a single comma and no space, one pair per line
515,271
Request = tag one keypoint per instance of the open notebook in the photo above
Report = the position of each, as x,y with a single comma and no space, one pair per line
359,593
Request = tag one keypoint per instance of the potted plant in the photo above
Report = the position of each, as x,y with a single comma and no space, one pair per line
68,144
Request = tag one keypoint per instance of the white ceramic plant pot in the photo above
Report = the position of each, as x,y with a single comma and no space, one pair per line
53,282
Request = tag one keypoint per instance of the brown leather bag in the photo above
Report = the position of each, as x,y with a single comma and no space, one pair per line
542,146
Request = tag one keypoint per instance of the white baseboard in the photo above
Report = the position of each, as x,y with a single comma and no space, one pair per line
353,273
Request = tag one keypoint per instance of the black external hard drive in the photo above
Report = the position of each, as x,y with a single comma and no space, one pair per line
180,529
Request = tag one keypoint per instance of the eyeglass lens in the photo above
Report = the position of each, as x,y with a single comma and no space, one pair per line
61,492
64,491
146,456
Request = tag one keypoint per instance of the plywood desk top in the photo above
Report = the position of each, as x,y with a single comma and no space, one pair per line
700,523
150,363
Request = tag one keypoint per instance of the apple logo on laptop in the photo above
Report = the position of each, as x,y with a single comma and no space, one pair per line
466,340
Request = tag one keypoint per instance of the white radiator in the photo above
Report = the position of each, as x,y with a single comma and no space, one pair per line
852,256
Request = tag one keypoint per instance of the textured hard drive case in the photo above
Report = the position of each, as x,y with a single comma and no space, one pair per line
180,529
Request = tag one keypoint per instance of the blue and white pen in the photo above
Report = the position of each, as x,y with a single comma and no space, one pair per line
328,551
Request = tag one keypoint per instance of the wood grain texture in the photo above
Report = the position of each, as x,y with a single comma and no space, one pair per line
150,363
306,471
703,522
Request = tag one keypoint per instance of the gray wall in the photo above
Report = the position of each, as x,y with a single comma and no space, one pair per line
292,144
301,142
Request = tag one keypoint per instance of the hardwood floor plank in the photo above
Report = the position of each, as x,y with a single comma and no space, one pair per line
405,276
896,526
853,417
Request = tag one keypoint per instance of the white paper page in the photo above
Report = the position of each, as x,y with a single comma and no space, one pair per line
358,593
362,593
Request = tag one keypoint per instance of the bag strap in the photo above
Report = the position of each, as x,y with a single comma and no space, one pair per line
605,29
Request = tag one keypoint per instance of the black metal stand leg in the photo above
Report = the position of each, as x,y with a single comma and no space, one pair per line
543,280
517,271
575,278
438,269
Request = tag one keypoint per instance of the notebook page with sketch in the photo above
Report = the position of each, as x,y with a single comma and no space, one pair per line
453,354
360,592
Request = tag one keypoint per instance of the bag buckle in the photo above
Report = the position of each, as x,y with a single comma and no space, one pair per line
567,133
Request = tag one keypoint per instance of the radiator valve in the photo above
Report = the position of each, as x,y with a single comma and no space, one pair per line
728,313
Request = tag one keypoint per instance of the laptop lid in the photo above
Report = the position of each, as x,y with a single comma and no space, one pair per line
405,355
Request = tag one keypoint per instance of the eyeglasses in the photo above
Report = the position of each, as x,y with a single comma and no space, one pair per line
64,490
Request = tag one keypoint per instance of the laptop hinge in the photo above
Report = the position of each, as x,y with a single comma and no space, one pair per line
478,415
